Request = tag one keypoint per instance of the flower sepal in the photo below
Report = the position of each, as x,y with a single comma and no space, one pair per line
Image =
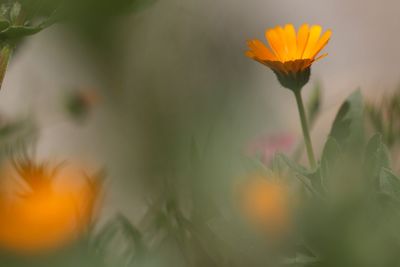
294,81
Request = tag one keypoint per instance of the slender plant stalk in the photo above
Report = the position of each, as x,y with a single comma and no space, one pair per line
5,54
304,126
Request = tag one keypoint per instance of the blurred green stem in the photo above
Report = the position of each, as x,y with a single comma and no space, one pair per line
304,126
5,54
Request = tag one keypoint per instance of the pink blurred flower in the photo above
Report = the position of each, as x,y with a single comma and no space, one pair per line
267,146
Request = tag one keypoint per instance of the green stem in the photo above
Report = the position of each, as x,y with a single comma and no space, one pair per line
304,126
5,54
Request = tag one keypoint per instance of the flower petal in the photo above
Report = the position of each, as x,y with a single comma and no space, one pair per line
260,50
282,35
290,34
250,54
315,32
302,39
320,57
276,44
321,43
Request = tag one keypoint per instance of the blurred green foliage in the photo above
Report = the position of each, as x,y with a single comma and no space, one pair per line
383,117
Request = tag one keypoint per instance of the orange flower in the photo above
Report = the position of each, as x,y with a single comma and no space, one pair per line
48,213
265,203
290,54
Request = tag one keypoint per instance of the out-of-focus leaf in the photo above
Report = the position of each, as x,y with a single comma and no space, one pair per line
247,248
105,235
295,167
376,158
348,126
119,242
384,116
103,9
25,17
4,24
376,118
254,165
390,183
310,179
196,181
330,161
40,8
299,260
278,166
203,205
133,233
15,32
15,135
14,12
139,5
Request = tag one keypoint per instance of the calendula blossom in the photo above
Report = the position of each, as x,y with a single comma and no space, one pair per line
290,53
265,202
290,56
46,212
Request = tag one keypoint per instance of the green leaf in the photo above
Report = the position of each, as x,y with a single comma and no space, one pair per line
295,167
389,183
105,235
4,11
310,179
14,12
300,260
375,116
139,5
247,246
120,241
133,233
376,158
254,165
14,135
4,24
348,126
15,32
330,161
279,165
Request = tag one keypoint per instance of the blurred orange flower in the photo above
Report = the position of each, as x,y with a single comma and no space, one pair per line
290,53
265,202
49,212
